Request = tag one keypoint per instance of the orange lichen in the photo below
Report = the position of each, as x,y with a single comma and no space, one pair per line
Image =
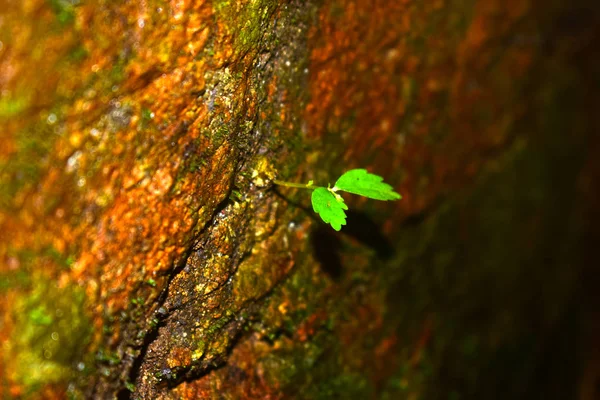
129,220
244,379
179,357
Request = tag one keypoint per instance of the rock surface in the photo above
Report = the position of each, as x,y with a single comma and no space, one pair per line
146,254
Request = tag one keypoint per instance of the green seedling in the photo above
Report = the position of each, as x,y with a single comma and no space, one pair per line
330,205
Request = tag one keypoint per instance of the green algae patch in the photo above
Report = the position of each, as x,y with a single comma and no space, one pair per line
49,337
64,11
248,22
23,167
11,107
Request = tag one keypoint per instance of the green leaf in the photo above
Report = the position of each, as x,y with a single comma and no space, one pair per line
329,207
359,181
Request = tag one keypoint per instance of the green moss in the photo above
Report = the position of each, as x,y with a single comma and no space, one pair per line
50,334
130,386
64,11
13,279
24,167
108,357
12,106
28,260
306,368
248,22
77,54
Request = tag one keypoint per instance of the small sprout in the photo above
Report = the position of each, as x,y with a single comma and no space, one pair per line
330,205
362,183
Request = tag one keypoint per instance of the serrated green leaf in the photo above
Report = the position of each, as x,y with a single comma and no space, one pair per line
329,207
359,181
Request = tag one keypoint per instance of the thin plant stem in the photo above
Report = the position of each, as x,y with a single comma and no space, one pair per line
295,185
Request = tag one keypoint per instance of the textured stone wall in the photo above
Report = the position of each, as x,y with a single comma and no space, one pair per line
145,253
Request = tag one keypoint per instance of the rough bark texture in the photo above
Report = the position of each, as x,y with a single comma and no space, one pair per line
145,253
